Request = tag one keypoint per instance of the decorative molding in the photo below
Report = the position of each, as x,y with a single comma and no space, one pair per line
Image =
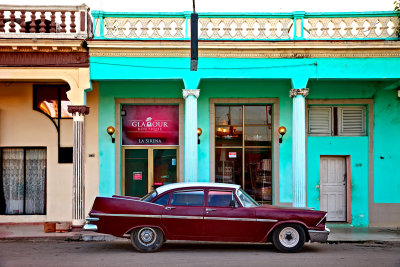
80,110
246,49
188,92
30,45
296,92
41,59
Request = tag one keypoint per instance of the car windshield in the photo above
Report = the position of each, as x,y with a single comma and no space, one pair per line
150,196
246,200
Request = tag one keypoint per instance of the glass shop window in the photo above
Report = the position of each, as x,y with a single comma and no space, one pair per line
188,198
52,100
243,148
23,181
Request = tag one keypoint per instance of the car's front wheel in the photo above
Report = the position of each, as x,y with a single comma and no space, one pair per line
288,237
147,239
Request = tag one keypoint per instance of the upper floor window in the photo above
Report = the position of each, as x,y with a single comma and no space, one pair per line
337,120
52,100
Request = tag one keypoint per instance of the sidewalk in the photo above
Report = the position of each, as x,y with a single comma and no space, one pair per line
338,234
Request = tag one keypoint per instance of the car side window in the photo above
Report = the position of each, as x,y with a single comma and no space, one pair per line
162,200
188,198
218,198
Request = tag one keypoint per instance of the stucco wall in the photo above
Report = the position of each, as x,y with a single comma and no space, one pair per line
21,126
108,92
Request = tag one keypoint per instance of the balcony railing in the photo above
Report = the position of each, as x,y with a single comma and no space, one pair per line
55,22
247,26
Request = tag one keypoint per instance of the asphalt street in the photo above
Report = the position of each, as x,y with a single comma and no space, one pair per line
121,253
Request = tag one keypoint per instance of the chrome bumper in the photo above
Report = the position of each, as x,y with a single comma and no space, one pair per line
319,236
90,227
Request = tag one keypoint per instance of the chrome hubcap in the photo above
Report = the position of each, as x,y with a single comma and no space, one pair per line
147,236
289,237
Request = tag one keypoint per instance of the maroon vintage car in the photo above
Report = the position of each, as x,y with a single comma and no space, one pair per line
204,212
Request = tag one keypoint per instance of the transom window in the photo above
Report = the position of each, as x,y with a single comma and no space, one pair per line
52,100
337,120
243,148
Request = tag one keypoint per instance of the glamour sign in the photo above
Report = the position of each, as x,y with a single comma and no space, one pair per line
150,125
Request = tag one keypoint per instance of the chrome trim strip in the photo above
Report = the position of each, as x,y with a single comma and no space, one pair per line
266,220
321,219
182,217
91,219
239,219
128,215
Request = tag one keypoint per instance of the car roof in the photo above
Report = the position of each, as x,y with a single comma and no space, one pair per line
167,187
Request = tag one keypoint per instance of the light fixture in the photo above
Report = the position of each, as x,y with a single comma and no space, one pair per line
199,132
282,131
111,131
123,112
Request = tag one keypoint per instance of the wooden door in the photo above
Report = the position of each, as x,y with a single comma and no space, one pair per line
333,187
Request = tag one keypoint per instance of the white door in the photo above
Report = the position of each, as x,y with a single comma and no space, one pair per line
333,187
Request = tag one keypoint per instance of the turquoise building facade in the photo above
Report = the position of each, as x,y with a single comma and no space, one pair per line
334,89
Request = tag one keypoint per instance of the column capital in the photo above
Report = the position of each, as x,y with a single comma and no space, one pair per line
296,92
188,92
81,110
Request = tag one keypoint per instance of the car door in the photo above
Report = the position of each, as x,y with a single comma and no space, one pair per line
223,222
183,216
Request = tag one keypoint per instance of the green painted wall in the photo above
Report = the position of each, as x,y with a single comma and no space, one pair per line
108,92
242,88
386,147
386,172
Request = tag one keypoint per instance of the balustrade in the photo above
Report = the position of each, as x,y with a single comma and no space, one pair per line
44,22
257,26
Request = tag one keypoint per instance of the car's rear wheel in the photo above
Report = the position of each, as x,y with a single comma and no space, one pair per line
147,239
288,237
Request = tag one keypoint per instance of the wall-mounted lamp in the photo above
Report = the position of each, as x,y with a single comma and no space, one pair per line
282,131
199,132
111,131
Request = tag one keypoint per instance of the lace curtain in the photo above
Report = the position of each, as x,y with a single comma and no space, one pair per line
24,181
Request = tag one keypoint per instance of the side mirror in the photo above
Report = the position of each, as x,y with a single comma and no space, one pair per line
233,204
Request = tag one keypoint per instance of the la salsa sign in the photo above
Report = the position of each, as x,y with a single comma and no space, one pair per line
150,125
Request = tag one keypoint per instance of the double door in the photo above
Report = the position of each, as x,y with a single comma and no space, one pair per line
146,168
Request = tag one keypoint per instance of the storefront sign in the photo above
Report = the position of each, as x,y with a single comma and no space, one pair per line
150,125
137,176
232,155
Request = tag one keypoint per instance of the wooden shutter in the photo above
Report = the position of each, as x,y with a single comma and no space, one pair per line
320,120
351,121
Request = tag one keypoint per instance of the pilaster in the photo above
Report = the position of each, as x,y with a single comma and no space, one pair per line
78,192
299,147
191,157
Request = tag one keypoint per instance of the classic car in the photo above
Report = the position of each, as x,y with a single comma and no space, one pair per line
204,212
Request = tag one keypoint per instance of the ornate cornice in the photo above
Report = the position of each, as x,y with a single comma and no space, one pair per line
244,49
188,92
33,45
80,110
296,92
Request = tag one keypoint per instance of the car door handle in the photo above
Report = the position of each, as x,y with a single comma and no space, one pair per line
207,210
169,208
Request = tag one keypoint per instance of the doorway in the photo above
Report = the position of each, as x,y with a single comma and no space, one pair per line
333,184
146,168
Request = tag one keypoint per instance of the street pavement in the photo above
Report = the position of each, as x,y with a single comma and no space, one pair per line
120,253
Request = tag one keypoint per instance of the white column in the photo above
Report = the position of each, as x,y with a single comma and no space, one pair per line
299,147
78,191
191,161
